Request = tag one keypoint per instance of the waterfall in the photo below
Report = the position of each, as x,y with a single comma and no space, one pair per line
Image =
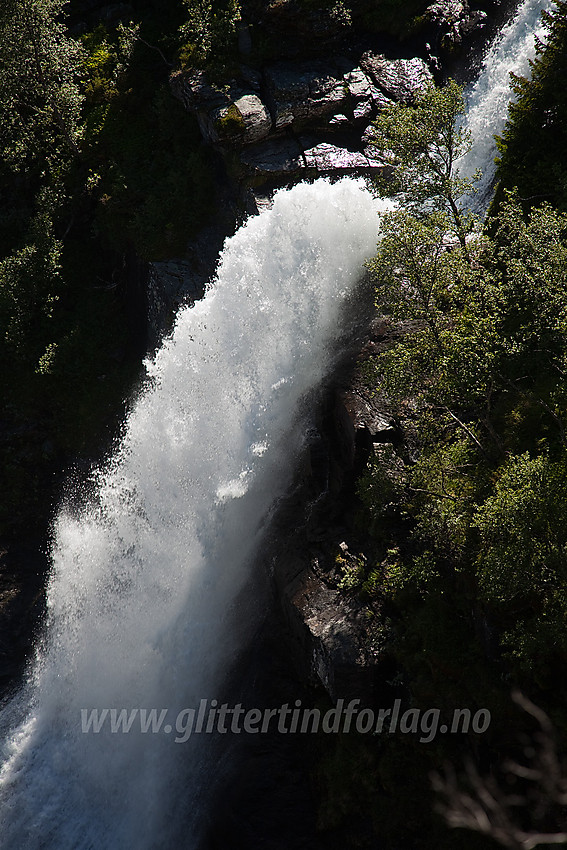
144,576
488,97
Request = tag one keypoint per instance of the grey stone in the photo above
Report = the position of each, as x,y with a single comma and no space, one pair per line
399,79
370,149
339,121
304,91
325,157
331,630
380,100
475,21
274,157
232,117
446,11
362,110
454,19
358,84
257,121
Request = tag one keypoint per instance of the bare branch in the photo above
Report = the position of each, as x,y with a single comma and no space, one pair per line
478,802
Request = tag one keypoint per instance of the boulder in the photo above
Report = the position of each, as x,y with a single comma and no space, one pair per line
399,79
452,20
365,98
231,117
244,121
327,158
304,91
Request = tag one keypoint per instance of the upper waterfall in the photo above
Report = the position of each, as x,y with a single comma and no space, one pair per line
488,97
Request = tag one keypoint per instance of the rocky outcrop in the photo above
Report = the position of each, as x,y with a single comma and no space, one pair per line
281,157
286,122
303,92
398,79
331,633
336,635
451,21
326,158
236,116
289,157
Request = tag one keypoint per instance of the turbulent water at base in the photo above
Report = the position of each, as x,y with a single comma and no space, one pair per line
139,603
487,99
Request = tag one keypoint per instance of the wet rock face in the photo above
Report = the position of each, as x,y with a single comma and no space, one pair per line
336,634
332,630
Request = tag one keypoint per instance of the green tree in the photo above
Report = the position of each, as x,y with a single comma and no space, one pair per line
40,96
30,285
209,32
523,528
532,146
522,561
423,143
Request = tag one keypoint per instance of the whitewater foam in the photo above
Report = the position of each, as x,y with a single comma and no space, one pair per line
487,99
144,577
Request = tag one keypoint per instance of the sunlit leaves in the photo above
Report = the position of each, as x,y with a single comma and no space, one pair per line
40,97
423,143
209,33
523,528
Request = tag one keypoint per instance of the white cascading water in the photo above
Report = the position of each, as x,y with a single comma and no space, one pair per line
487,99
145,578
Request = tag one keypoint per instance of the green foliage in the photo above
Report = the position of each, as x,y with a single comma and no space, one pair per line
107,60
148,201
477,367
488,320
533,143
523,529
445,483
231,122
470,548
30,284
153,202
423,143
353,570
97,160
382,484
209,33
40,96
